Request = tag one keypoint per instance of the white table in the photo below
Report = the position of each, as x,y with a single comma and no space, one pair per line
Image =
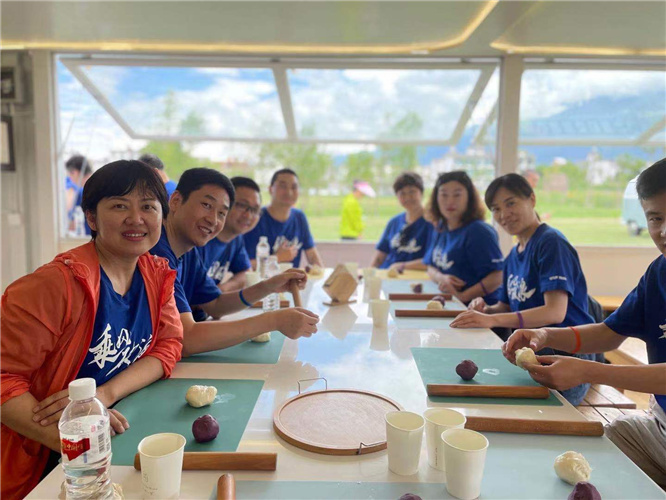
349,354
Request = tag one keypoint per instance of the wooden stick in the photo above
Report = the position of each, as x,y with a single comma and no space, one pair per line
293,288
217,460
488,391
426,313
526,426
226,487
418,296
258,305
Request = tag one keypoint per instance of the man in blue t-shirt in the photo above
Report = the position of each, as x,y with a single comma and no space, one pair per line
641,315
197,212
155,162
225,255
286,227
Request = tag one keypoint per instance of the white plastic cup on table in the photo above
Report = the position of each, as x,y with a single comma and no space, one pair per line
374,287
161,458
252,278
352,267
437,421
380,312
369,272
284,266
465,457
404,436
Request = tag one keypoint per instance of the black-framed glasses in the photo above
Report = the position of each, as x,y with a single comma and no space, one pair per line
248,209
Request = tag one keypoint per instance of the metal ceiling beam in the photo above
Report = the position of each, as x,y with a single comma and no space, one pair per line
645,136
472,101
282,83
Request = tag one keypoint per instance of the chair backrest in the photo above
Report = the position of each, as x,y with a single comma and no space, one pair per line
595,309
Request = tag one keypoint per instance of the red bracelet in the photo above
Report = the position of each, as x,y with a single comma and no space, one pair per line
577,340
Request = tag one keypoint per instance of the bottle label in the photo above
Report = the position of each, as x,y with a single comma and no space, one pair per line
73,449
87,448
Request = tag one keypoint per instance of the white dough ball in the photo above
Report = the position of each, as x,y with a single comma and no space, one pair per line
435,305
200,395
525,356
264,337
572,467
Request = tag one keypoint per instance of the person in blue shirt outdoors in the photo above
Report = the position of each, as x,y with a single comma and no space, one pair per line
286,227
155,162
408,236
464,259
225,254
543,283
78,170
197,212
642,315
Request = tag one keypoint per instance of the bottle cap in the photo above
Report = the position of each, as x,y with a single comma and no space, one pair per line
83,388
263,238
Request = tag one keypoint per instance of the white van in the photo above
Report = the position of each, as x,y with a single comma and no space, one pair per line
632,211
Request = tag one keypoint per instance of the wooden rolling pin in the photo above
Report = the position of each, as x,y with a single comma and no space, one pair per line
293,288
426,313
489,391
217,460
418,296
226,487
525,426
260,304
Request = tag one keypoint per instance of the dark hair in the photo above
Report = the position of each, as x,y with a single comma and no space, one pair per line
78,163
514,183
282,171
195,178
246,182
119,178
408,179
652,180
474,211
152,161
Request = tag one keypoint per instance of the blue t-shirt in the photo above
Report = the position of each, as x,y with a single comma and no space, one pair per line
122,332
170,187
547,263
643,315
295,230
402,243
192,286
79,200
217,255
470,253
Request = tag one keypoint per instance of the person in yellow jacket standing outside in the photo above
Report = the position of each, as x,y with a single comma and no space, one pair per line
351,225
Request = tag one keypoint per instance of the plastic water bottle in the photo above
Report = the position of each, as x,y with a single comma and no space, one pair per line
271,302
79,222
263,251
85,442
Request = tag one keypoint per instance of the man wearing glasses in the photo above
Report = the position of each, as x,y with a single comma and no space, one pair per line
225,254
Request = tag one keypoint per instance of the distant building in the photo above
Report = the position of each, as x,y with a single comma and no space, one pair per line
598,169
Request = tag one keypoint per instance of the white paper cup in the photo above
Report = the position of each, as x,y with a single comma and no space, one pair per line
380,312
252,278
352,267
437,421
285,266
465,457
369,272
374,287
404,435
161,458
379,341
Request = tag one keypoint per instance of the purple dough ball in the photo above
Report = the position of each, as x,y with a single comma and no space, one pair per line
440,298
417,288
410,496
308,269
467,369
584,491
205,429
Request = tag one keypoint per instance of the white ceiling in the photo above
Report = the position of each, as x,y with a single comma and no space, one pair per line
456,28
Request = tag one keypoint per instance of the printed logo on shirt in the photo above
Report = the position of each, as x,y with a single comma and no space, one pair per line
440,259
497,261
663,329
562,278
517,289
217,271
291,243
411,247
123,352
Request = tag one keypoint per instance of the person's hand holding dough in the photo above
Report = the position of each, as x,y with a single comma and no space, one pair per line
525,356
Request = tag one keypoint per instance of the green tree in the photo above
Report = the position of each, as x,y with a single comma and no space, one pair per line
361,165
400,158
629,167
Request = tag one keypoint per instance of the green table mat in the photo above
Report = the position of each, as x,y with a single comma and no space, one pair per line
266,353
404,286
438,366
161,407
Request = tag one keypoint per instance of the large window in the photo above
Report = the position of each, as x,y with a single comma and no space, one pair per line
585,134
333,125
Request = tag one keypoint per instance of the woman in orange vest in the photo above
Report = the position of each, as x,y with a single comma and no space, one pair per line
104,310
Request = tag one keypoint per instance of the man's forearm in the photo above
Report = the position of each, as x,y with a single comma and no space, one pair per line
313,257
213,335
237,282
594,338
136,376
17,414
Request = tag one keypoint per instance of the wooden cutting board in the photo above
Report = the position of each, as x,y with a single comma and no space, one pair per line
426,313
335,422
418,296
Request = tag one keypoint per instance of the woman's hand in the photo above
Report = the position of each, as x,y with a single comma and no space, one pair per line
534,339
477,304
49,410
449,283
119,423
473,319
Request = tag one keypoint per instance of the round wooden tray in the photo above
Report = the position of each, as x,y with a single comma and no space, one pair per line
335,422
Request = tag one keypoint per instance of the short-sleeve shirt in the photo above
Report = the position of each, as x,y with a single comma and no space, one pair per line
122,331
192,286
548,262
170,187
402,242
295,230
643,315
470,252
219,256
